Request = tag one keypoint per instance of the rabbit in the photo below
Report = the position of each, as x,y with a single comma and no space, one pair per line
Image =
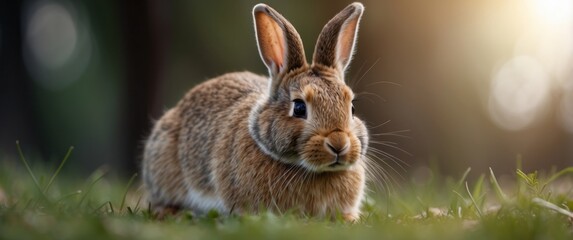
242,143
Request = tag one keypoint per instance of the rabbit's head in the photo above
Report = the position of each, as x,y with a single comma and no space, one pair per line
308,119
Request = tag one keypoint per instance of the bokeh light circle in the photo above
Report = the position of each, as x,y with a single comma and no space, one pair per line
518,91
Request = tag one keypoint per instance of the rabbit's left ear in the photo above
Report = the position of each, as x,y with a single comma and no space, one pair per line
279,43
335,45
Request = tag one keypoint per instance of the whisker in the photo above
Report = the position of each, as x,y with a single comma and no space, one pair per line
277,181
370,68
303,181
389,165
353,80
380,174
373,170
385,82
389,155
394,133
391,178
379,125
394,159
372,94
384,141
289,184
290,176
391,145
273,201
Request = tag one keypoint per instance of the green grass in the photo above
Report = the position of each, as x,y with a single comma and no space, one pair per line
40,202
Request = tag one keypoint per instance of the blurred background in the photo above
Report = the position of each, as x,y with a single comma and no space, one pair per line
470,83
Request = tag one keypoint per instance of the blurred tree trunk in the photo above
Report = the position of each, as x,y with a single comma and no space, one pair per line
144,37
17,116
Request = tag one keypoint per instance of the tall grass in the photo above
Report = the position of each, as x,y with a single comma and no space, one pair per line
39,204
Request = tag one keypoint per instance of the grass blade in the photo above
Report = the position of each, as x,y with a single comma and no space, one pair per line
479,190
559,174
136,208
478,210
59,168
555,177
126,190
454,200
111,208
551,206
89,188
95,210
463,179
496,186
23,159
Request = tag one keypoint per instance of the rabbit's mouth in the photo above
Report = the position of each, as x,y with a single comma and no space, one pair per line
337,166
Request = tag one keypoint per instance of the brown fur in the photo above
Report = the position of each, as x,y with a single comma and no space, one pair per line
232,144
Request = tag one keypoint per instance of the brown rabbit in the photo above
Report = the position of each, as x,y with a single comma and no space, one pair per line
243,143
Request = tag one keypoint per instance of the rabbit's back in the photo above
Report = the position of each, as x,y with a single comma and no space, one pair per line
204,111
181,169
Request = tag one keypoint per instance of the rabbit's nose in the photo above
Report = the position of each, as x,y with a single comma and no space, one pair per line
337,143
337,150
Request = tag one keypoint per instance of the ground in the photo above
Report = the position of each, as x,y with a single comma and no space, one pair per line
42,202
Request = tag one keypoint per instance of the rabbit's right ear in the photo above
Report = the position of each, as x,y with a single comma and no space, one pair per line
279,43
335,44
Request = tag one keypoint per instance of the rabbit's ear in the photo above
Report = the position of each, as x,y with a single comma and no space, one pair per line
335,44
279,43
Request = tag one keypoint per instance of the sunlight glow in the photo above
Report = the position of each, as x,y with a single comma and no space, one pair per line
518,91
553,12
540,65
554,50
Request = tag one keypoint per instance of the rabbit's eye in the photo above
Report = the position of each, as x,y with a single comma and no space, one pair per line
299,109
353,109
352,105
